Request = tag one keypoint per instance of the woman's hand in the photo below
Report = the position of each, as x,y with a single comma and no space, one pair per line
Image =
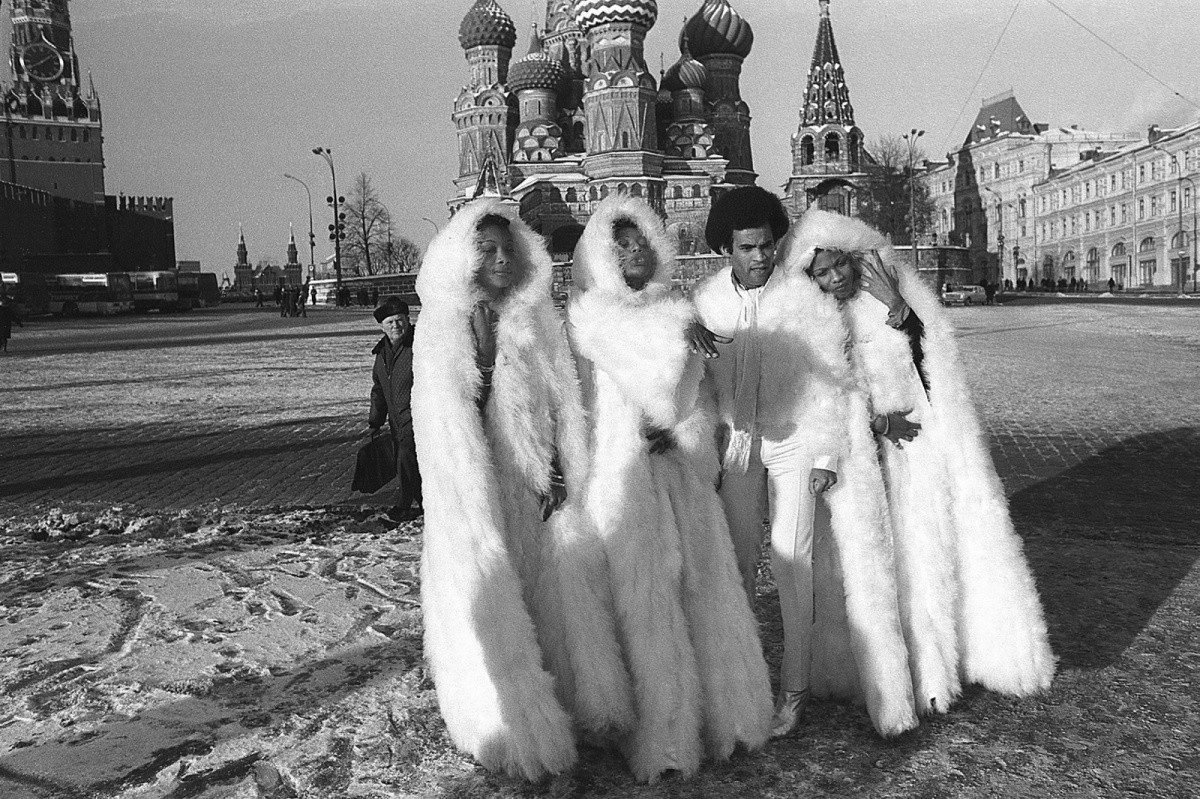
703,341
882,283
553,500
896,427
820,481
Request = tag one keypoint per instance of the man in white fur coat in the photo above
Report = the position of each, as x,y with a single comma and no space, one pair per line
519,628
689,637
966,599
780,415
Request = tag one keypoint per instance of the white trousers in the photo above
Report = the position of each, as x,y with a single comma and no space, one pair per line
778,478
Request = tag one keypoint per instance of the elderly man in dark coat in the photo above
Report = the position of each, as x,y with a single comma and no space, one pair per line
390,401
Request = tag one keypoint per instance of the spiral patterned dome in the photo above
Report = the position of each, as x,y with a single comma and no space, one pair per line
717,29
487,24
536,70
590,13
686,73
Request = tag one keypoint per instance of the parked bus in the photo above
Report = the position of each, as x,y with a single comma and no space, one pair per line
157,291
200,289
94,293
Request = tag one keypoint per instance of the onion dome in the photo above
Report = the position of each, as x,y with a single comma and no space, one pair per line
687,72
590,13
487,24
536,70
717,29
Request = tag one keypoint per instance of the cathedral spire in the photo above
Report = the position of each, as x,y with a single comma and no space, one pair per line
826,98
827,150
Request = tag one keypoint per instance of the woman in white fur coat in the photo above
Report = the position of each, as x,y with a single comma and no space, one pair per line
966,598
689,638
519,627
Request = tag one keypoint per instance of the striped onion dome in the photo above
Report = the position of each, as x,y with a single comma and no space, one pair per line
686,73
536,70
717,29
487,24
590,13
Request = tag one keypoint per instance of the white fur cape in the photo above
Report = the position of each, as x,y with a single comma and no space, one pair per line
806,397
519,627
689,637
968,602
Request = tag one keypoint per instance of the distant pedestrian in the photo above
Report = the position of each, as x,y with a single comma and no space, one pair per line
1112,285
259,299
364,298
989,293
314,296
303,300
391,394
374,295
279,294
285,296
8,315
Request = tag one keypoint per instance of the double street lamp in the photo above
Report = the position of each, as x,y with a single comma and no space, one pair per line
1179,166
312,237
911,139
337,229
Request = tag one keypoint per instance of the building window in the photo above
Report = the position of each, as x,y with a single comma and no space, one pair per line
1092,270
1118,249
1174,200
807,151
677,193
1020,166
33,133
1141,208
1112,182
1124,213
1187,197
833,147
995,171
1154,205
74,134
1141,174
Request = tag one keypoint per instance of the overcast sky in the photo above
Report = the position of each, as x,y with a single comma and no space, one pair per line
211,102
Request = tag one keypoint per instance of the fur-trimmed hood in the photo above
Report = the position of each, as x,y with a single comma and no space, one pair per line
452,283
595,255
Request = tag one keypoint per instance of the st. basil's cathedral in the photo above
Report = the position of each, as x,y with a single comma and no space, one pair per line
581,116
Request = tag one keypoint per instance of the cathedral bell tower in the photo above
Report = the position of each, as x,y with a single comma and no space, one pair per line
243,273
827,150
620,97
52,127
485,112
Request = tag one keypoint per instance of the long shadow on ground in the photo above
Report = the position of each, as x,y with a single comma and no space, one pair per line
1110,539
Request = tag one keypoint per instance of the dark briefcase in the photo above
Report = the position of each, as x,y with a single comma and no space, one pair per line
376,466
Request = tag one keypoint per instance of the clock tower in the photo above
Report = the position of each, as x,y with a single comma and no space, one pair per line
52,134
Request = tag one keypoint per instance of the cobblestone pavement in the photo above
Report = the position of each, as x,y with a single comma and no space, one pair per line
236,406
266,649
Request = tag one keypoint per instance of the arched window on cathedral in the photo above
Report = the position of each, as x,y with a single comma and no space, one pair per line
572,195
603,192
807,151
833,147
622,188
592,194
677,193
636,190
696,192
577,129
625,140
853,147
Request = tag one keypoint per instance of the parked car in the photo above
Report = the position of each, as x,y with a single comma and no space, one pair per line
966,295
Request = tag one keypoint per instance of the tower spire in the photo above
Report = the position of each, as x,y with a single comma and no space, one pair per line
828,144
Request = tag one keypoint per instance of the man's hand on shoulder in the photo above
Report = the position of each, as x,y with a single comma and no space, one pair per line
704,342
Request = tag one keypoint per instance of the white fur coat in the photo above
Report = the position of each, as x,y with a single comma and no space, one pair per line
806,396
967,599
519,627
689,637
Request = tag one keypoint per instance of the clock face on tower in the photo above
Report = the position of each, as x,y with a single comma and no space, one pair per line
42,62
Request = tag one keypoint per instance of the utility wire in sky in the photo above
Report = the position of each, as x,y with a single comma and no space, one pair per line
995,47
1112,47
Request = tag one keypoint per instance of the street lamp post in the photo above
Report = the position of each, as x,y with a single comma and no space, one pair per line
436,229
312,236
911,139
335,230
